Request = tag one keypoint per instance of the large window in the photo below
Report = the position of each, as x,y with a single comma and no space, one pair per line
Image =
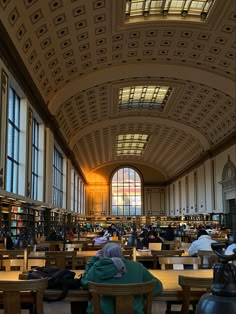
57,193
183,8
131,144
35,160
73,194
143,97
81,197
13,138
126,192
77,193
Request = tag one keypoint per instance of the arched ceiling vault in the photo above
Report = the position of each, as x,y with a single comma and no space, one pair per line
78,54
145,70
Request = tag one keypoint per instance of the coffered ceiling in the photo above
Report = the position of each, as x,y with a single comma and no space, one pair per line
78,53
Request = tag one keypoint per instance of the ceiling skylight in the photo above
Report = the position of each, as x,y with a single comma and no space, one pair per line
143,97
131,144
147,8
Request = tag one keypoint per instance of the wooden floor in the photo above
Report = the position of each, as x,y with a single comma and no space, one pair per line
64,308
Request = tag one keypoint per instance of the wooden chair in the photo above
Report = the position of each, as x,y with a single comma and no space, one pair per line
73,246
178,262
42,246
22,294
94,247
11,258
36,262
128,253
154,246
208,259
188,284
172,245
160,253
61,259
124,295
83,242
80,262
55,245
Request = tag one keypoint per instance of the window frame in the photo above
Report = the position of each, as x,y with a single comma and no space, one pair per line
35,151
13,155
58,175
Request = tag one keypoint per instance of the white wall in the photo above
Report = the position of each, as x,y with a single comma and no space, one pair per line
220,161
154,200
209,188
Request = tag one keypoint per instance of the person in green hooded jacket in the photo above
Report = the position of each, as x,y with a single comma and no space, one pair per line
109,267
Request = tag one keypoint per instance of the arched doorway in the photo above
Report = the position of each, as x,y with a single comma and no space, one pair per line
229,193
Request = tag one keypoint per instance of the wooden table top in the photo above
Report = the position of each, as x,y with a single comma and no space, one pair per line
169,278
89,253
41,254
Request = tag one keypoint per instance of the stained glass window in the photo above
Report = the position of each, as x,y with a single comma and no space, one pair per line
126,186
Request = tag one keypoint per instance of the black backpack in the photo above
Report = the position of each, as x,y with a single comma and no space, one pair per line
58,279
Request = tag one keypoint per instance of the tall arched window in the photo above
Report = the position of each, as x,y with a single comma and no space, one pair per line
126,191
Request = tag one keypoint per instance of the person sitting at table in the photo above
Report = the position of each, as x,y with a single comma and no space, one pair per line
113,230
53,236
169,233
109,267
230,249
151,237
203,242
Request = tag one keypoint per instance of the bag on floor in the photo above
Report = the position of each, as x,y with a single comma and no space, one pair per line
58,279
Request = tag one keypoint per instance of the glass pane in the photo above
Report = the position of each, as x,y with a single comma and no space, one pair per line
16,145
17,111
15,178
10,140
11,104
151,7
126,192
9,175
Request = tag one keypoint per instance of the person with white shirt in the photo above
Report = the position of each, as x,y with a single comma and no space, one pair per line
230,249
203,242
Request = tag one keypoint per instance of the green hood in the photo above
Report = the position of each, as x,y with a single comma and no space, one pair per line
108,265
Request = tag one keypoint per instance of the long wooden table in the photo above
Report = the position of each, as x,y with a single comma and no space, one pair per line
38,258
169,278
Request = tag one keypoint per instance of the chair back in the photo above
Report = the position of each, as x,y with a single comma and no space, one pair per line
159,253
61,259
43,246
55,245
208,259
11,254
178,262
12,258
27,291
36,262
172,245
189,283
154,246
128,253
73,246
123,296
